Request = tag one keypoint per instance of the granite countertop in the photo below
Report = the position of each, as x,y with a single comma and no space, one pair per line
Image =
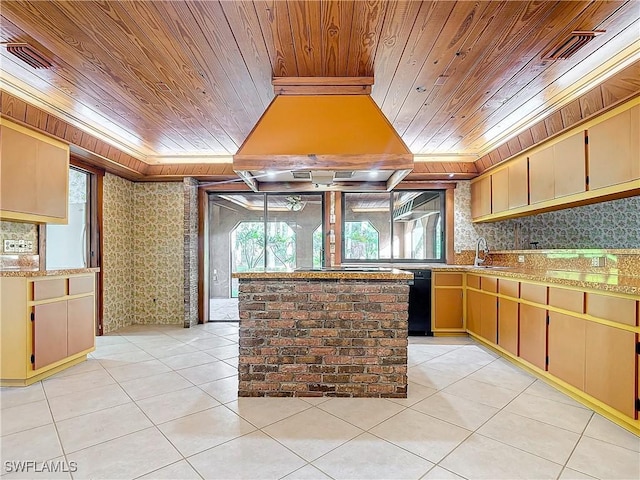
45,273
597,281
331,274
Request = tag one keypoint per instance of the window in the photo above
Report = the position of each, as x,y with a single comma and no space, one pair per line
361,240
257,231
401,226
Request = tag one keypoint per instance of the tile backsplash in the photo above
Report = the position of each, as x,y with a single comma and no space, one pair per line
606,225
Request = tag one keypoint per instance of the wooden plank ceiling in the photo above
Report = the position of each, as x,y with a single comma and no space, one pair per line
170,82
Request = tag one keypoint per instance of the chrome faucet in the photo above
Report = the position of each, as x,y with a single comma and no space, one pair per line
481,244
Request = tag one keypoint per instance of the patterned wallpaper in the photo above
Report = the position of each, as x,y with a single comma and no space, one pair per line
611,224
117,255
499,235
158,255
18,231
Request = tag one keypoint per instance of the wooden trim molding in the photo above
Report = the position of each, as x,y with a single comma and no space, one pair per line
614,91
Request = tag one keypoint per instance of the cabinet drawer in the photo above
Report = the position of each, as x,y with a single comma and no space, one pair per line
78,285
448,279
489,284
533,293
473,281
567,299
509,287
607,307
45,289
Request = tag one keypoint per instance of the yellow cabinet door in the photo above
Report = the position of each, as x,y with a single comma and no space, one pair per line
80,324
610,372
532,335
508,325
481,197
489,318
49,333
448,308
567,343
614,150
500,191
519,182
473,311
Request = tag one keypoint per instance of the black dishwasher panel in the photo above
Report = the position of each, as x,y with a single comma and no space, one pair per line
420,303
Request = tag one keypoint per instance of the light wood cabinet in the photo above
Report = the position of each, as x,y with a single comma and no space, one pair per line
541,180
448,302
610,370
500,191
583,341
481,197
47,324
489,317
614,150
558,170
448,309
474,308
508,324
519,182
532,335
34,175
567,343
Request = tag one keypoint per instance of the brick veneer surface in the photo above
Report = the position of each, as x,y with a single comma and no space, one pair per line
342,338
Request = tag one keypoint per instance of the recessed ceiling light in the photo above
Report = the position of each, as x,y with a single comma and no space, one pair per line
451,175
421,89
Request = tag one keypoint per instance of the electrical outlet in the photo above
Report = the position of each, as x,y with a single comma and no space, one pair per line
597,261
520,258
10,246
18,246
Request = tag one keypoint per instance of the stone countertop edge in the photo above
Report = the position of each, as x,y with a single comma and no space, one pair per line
394,274
47,273
596,281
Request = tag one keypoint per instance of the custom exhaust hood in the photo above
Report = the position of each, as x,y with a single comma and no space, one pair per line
323,133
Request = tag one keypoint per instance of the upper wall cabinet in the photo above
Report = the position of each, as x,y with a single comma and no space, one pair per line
34,176
558,170
594,162
481,197
614,150
509,186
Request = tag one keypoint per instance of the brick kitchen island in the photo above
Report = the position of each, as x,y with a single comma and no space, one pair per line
334,332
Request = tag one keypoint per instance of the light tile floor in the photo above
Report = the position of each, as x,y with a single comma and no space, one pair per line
161,402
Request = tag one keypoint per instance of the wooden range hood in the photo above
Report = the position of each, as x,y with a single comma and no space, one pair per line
323,133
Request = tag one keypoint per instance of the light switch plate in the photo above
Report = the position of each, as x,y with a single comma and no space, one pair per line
520,258
597,261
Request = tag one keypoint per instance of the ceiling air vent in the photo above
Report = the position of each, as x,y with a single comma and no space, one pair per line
569,46
342,175
28,54
302,175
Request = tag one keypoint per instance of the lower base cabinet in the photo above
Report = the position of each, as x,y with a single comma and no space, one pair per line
47,323
533,335
489,318
567,343
610,366
508,325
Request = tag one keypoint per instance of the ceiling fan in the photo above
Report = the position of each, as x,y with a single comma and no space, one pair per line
295,203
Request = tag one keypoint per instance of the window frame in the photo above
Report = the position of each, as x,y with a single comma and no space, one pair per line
442,193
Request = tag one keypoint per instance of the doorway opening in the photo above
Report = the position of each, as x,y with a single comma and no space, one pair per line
256,232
